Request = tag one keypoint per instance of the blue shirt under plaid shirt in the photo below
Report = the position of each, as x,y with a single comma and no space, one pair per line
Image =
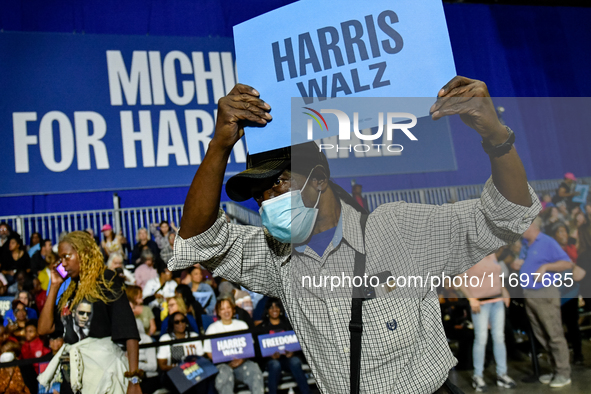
404,347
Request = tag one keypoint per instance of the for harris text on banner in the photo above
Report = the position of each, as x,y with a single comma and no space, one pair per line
341,49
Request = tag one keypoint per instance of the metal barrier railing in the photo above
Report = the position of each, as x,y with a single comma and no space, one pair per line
126,220
129,220
442,195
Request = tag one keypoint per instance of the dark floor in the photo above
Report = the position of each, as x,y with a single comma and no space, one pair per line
581,377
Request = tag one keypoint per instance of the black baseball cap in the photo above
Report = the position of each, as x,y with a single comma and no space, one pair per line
262,167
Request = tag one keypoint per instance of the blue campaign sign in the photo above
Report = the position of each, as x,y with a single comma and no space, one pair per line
95,112
343,48
404,143
279,342
432,151
230,348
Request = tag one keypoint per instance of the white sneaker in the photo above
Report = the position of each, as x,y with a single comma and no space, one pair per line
506,382
546,378
478,384
559,381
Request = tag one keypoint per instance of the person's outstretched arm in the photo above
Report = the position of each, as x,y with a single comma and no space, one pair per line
203,199
470,99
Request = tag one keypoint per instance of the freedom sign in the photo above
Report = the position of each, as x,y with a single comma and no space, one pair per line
84,112
231,348
279,342
342,48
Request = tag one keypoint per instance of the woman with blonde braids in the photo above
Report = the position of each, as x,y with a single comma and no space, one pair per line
93,315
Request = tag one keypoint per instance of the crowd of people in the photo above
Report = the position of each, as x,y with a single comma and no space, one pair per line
558,245
166,306
190,303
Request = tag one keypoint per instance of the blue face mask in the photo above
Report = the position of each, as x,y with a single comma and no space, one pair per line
286,217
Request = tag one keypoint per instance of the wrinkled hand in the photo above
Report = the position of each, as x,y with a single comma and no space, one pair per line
276,356
470,99
241,105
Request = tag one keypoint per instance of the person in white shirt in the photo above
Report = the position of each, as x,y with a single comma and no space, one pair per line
243,370
169,356
161,287
115,263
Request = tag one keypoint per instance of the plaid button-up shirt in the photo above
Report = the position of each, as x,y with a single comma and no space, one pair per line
404,347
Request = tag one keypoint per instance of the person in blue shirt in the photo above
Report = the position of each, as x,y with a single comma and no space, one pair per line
25,298
541,261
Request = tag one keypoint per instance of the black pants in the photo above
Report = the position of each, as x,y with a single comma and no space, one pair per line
570,318
65,388
448,388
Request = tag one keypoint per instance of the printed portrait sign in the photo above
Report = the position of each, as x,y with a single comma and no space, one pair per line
279,342
342,48
231,348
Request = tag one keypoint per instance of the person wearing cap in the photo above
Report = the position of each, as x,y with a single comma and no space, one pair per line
112,243
566,191
312,228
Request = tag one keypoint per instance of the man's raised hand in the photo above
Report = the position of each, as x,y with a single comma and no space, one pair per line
240,106
470,99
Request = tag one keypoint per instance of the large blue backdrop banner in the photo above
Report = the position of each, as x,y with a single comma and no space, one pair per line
519,51
90,113
97,112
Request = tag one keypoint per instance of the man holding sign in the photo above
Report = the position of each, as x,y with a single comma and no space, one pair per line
403,345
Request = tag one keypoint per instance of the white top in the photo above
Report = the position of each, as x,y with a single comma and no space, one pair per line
194,348
154,284
147,357
218,327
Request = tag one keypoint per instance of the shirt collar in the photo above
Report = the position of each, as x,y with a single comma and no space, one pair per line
348,228
336,238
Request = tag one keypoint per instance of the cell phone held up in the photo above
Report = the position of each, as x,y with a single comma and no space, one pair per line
61,270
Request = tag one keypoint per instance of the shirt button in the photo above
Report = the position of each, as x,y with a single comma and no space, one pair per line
335,309
346,349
